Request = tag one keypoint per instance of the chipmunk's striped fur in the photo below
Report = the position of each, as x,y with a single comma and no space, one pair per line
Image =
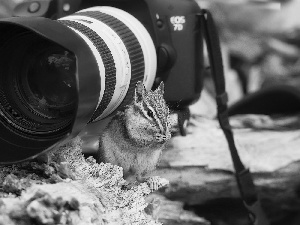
135,137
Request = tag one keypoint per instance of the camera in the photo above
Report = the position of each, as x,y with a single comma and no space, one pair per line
62,69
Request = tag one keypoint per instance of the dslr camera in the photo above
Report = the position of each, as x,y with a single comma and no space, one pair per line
67,64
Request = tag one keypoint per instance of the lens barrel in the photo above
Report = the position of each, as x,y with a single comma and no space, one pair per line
58,76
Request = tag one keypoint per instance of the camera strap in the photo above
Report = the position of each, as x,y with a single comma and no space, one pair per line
243,175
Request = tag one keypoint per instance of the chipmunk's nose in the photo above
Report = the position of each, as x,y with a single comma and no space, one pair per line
168,135
164,130
167,132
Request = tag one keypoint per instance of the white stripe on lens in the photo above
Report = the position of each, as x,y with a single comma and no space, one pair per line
142,36
120,56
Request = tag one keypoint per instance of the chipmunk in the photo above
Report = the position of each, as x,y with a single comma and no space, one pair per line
135,137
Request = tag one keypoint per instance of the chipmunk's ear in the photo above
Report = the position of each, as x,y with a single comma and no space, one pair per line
161,88
139,91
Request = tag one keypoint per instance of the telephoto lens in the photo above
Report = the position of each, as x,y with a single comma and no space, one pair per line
58,76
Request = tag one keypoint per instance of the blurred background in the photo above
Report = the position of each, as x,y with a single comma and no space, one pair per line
260,44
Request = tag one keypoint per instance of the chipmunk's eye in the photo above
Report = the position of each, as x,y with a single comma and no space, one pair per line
150,113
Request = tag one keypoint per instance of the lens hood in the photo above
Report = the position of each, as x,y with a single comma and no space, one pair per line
16,147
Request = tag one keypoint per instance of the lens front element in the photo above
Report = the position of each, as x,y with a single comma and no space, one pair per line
49,85
37,89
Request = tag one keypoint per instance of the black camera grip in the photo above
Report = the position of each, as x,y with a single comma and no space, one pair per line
243,175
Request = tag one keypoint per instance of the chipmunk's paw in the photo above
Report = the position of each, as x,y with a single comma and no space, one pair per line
129,185
156,182
130,182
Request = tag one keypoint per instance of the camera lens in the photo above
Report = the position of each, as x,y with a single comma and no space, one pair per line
58,76
37,87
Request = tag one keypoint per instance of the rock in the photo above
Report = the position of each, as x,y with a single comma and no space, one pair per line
172,213
200,170
71,190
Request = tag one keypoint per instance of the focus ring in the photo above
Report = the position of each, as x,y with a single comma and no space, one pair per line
132,45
